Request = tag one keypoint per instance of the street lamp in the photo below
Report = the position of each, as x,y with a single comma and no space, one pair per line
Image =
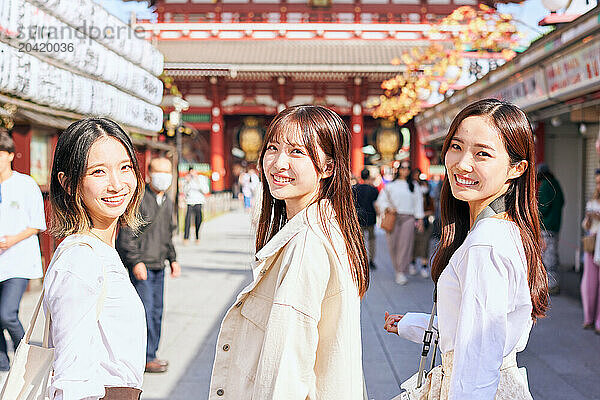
175,120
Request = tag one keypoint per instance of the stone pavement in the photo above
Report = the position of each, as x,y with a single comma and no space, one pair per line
561,358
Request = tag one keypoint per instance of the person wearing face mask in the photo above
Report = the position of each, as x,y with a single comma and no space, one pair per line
145,254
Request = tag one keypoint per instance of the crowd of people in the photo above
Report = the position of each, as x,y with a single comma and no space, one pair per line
294,332
414,200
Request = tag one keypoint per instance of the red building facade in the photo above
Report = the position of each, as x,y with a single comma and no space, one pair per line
239,62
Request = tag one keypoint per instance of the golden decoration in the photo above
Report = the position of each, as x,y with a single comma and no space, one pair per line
483,29
250,138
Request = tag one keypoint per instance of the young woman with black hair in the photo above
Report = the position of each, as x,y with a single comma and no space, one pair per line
406,199
98,326
491,284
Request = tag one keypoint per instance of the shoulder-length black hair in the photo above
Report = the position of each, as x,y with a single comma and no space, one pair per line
316,126
69,214
521,202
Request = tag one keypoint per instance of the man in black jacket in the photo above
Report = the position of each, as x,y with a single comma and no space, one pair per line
144,254
365,195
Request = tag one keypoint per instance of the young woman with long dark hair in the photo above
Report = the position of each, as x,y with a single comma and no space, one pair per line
404,197
491,284
294,332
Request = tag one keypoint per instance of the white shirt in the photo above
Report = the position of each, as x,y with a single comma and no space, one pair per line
398,196
22,207
484,308
91,354
195,187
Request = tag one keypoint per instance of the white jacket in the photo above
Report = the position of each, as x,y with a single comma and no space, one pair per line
294,332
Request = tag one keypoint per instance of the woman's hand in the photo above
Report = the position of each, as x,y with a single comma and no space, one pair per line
391,322
419,225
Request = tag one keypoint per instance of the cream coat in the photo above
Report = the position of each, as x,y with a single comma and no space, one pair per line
294,332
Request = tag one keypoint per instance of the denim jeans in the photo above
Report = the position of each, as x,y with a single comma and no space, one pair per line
11,292
151,293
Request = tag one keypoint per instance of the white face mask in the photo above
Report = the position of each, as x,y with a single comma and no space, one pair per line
161,180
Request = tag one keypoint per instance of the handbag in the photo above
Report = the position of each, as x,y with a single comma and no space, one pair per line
32,365
389,216
589,243
425,385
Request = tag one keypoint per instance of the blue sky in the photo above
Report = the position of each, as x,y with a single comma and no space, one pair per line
527,14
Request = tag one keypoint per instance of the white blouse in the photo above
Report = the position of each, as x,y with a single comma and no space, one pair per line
398,196
89,353
484,308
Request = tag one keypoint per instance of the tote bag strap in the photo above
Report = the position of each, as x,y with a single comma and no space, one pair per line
36,312
29,331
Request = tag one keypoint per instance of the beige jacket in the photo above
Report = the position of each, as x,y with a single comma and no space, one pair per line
294,332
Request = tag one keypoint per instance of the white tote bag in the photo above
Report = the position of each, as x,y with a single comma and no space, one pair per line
31,366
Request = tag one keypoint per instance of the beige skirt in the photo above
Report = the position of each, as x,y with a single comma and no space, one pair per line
512,385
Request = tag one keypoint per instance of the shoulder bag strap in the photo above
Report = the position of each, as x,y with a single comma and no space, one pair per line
427,337
389,199
38,306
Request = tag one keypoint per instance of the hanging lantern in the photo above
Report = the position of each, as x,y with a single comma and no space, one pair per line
388,140
250,138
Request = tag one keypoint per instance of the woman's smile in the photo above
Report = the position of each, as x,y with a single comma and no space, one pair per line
114,201
464,181
281,180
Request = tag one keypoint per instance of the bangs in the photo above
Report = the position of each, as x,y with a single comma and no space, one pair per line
291,133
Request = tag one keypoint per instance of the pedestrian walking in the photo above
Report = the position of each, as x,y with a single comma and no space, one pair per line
195,187
590,281
551,202
491,284
249,182
145,253
21,219
405,198
365,195
294,332
420,256
97,319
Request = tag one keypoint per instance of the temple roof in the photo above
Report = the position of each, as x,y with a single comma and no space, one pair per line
301,53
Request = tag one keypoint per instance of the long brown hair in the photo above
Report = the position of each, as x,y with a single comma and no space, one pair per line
318,126
520,199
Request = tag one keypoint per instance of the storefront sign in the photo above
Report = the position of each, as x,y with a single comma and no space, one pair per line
39,167
574,71
524,90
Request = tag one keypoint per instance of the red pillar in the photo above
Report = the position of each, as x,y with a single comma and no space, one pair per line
357,158
417,149
217,149
21,135
540,139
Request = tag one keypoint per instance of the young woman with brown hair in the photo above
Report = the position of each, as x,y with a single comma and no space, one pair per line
294,332
491,284
98,326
